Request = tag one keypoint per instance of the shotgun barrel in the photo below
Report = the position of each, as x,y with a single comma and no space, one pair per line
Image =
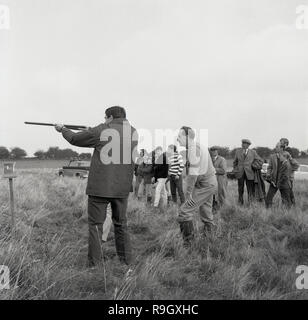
68,126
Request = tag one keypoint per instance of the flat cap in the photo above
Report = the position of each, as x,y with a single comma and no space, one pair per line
246,141
214,148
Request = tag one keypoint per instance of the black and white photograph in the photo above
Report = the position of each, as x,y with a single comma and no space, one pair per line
155,151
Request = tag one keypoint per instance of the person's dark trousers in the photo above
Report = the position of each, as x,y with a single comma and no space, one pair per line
214,205
285,196
249,186
177,185
292,194
97,209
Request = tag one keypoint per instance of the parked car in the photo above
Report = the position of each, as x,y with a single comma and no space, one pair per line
75,168
264,170
300,174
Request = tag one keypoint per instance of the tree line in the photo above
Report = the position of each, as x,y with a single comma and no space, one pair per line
53,153
263,152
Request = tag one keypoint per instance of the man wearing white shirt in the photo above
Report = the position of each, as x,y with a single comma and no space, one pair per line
201,184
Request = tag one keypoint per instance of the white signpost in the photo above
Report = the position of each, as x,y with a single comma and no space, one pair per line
9,173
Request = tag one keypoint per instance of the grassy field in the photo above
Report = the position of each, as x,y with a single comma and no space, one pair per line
252,254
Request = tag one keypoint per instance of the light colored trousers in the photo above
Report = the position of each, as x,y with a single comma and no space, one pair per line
202,199
168,188
160,191
107,224
222,189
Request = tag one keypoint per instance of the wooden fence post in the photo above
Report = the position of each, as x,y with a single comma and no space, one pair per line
8,169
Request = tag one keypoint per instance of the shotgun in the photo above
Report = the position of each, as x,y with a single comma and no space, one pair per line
68,126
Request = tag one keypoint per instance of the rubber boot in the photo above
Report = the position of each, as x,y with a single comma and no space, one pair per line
169,201
187,230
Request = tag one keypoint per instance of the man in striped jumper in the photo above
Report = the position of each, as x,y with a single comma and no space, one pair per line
176,166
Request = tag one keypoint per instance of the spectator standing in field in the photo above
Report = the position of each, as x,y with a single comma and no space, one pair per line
278,175
110,179
287,152
145,170
220,165
160,177
138,177
201,184
259,185
176,167
244,173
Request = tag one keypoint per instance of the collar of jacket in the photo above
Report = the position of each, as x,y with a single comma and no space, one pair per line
118,120
281,157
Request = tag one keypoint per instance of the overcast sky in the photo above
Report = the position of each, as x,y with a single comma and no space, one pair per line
237,68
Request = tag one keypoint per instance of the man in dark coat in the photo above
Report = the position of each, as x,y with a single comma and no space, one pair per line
288,154
160,166
110,178
244,158
145,170
278,175
138,176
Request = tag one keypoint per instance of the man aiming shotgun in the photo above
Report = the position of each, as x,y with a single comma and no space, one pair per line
110,177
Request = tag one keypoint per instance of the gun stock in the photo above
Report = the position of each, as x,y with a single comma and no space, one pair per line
68,126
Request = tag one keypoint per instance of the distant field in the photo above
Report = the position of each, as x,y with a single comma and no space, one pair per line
54,164
38,164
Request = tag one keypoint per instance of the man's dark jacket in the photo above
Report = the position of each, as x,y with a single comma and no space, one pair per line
242,163
278,171
113,180
145,170
161,167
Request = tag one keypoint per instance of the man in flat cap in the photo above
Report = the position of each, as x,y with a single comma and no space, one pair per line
110,178
294,165
244,158
278,175
220,165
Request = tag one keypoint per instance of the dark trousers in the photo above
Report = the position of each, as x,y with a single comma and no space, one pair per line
285,196
97,210
214,205
292,194
250,188
177,185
